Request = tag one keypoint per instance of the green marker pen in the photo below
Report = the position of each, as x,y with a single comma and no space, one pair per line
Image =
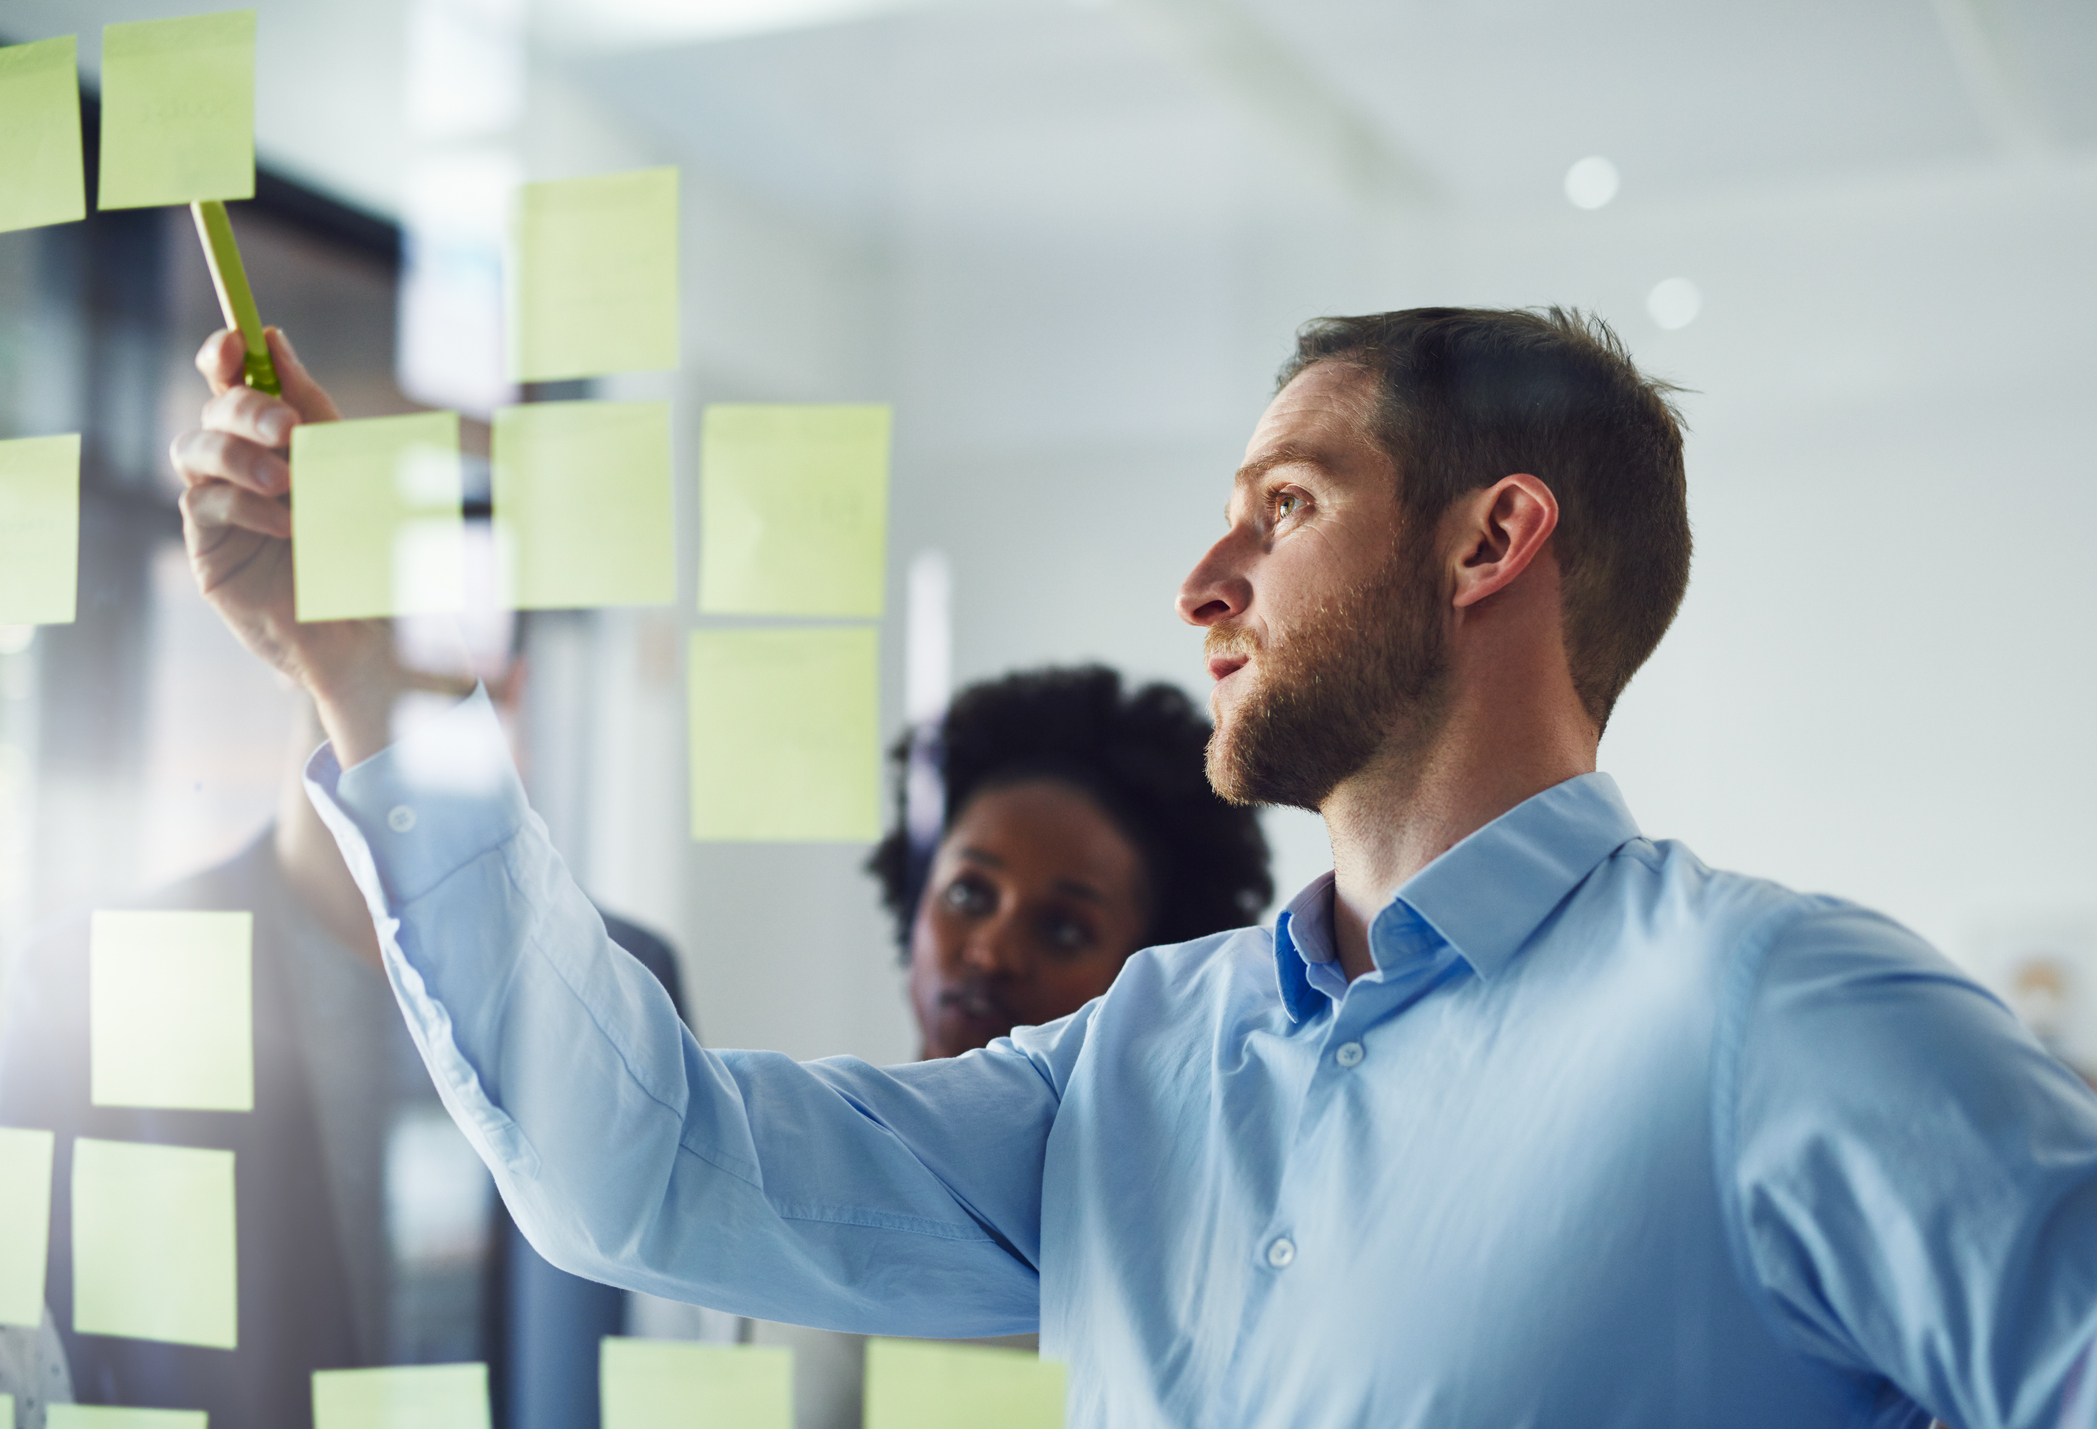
235,301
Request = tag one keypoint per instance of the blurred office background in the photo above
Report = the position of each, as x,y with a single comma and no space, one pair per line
1069,242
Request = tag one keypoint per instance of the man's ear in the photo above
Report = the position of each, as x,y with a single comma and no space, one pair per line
1501,530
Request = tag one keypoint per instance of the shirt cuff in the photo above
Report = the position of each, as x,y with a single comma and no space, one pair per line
425,806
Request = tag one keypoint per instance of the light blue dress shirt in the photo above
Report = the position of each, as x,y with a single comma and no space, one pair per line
1607,1138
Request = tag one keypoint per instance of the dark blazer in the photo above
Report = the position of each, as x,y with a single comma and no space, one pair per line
541,1342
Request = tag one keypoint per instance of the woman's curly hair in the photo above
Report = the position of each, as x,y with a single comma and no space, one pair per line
1140,755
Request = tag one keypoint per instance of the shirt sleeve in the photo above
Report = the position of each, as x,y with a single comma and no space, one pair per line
832,1193
1916,1178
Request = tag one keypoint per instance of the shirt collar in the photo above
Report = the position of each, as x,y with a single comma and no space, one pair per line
1302,943
1486,895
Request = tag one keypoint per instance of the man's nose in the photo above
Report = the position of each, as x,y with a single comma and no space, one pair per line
1216,589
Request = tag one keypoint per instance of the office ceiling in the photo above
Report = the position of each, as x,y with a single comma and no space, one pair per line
1487,103
1483,103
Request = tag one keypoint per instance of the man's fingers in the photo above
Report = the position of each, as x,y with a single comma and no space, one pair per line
243,429
210,509
256,416
300,390
219,359
202,458
223,357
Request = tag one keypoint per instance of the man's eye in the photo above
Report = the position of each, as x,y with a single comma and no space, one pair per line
1285,504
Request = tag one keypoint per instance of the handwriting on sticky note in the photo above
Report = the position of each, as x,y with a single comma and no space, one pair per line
39,529
590,280
153,1243
582,503
41,178
666,1384
913,1384
785,735
377,518
110,1416
178,110
170,999
25,1210
437,1396
793,509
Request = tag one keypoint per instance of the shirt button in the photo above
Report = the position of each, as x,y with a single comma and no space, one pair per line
1349,1054
400,818
1281,1252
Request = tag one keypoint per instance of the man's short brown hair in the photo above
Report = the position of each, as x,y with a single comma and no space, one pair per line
1469,395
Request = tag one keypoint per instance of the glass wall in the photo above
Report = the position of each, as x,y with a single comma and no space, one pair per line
1064,247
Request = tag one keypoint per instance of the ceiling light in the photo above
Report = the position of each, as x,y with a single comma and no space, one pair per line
1592,182
633,24
1674,302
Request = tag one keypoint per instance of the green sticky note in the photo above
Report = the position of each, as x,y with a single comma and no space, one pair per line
106,1416
178,110
582,504
153,1243
39,529
915,1384
786,742
431,1396
170,1010
41,180
377,520
793,509
591,277
25,1209
669,1384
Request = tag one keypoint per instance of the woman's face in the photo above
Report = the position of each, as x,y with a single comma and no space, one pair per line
1034,901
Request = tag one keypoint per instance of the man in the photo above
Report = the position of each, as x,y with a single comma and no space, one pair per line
368,1231
1518,1117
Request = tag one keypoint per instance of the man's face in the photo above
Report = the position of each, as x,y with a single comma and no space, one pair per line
1327,617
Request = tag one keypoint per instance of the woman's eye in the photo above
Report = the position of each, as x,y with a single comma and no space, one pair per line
1066,935
968,895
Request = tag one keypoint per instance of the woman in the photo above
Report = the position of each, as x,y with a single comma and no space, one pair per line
1048,827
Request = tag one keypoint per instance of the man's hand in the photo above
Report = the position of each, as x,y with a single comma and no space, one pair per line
236,521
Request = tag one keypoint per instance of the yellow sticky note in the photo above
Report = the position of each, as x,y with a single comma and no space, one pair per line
786,742
178,110
669,1384
793,509
41,179
431,1396
170,1010
153,1243
591,277
39,529
582,504
25,1210
912,1384
377,517
107,1416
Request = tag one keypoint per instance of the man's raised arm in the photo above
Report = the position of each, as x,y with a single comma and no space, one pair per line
831,1194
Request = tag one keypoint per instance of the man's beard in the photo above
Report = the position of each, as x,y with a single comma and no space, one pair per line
1365,678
